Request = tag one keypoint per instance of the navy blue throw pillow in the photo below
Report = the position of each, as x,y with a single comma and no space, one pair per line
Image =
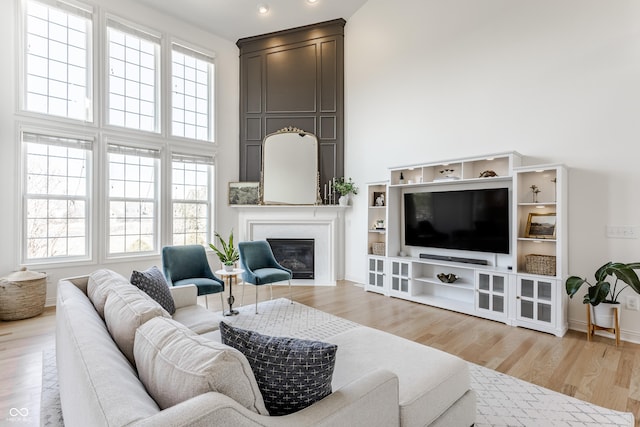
152,281
291,373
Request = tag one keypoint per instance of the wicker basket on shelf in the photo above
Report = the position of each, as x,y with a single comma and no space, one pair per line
540,264
377,248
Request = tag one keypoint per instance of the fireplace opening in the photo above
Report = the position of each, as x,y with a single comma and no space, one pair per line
295,254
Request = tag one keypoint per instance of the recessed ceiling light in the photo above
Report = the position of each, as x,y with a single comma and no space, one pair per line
263,9
312,1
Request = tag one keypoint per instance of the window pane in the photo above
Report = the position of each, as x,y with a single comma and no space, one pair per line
190,87
191,202
132,70
132,203
56,201
57,39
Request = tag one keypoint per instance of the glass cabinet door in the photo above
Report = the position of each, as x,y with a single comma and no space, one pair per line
400,276
535,299
491,292
376,274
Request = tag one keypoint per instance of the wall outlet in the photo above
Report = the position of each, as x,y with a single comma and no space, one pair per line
632,303
622,231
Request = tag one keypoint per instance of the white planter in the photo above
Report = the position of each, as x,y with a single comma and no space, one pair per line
343,200
603,315
228,268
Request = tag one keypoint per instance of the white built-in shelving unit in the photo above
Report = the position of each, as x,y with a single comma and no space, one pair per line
503,288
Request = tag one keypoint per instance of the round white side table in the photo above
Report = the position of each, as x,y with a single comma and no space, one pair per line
229,276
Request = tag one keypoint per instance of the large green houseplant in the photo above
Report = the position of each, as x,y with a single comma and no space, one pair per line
601,290
601,295
228,253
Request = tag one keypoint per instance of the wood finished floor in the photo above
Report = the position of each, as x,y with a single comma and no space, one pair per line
596,371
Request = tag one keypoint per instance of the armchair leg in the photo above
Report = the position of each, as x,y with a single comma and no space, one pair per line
221,302
271,289
256,299
290,292
206,301
244,285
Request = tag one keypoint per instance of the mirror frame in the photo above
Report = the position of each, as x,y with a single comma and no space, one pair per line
313,188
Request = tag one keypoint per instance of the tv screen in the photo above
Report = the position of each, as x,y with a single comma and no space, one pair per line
471,220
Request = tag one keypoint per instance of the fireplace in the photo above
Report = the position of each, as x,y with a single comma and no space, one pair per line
296,255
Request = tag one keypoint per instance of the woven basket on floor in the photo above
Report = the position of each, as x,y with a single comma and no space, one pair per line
540,264
22,295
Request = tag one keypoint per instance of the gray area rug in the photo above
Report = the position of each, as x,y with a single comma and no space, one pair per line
502,399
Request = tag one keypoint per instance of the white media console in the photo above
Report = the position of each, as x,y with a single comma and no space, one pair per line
524,287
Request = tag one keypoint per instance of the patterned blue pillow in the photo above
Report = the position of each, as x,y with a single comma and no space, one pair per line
291,373
152,281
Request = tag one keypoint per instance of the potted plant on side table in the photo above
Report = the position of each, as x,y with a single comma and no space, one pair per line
228,254
345,188
603,297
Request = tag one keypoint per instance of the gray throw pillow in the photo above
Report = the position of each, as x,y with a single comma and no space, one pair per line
152,281
291,373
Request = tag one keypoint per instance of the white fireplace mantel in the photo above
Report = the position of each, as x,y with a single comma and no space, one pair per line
324,224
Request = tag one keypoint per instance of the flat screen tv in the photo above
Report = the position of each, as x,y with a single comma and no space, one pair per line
470,220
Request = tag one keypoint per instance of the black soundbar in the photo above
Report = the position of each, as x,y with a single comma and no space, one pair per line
454,259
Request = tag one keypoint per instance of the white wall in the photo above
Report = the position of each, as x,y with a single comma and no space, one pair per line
556,80
227,98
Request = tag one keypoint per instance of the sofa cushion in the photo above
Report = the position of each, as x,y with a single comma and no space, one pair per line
430,380
127,308
197,318
152,281
100,283
291,373
175,364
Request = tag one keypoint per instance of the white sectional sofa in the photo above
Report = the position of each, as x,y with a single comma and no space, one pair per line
379,379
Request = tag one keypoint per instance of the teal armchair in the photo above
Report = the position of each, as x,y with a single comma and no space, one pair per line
261,267
188,264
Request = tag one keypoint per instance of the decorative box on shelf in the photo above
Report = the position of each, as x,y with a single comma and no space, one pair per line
540,264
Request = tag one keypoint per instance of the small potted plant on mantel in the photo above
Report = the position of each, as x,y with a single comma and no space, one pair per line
601,295
228,255
345,188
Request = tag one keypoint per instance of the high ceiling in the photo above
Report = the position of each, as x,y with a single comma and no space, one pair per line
235,19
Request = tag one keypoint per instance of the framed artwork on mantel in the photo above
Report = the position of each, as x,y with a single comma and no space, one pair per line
244,193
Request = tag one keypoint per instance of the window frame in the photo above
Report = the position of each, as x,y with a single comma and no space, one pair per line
104,133
133,145
72,7
152,36
175,45
88,198
210,202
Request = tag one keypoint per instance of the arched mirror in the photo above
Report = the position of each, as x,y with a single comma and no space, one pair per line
290,168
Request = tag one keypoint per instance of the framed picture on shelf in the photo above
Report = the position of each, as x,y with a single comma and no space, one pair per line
541,226
379,198
244,193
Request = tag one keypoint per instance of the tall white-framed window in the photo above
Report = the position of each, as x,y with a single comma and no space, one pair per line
133,200
58,59
192,94
56,197
191,199
133,58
